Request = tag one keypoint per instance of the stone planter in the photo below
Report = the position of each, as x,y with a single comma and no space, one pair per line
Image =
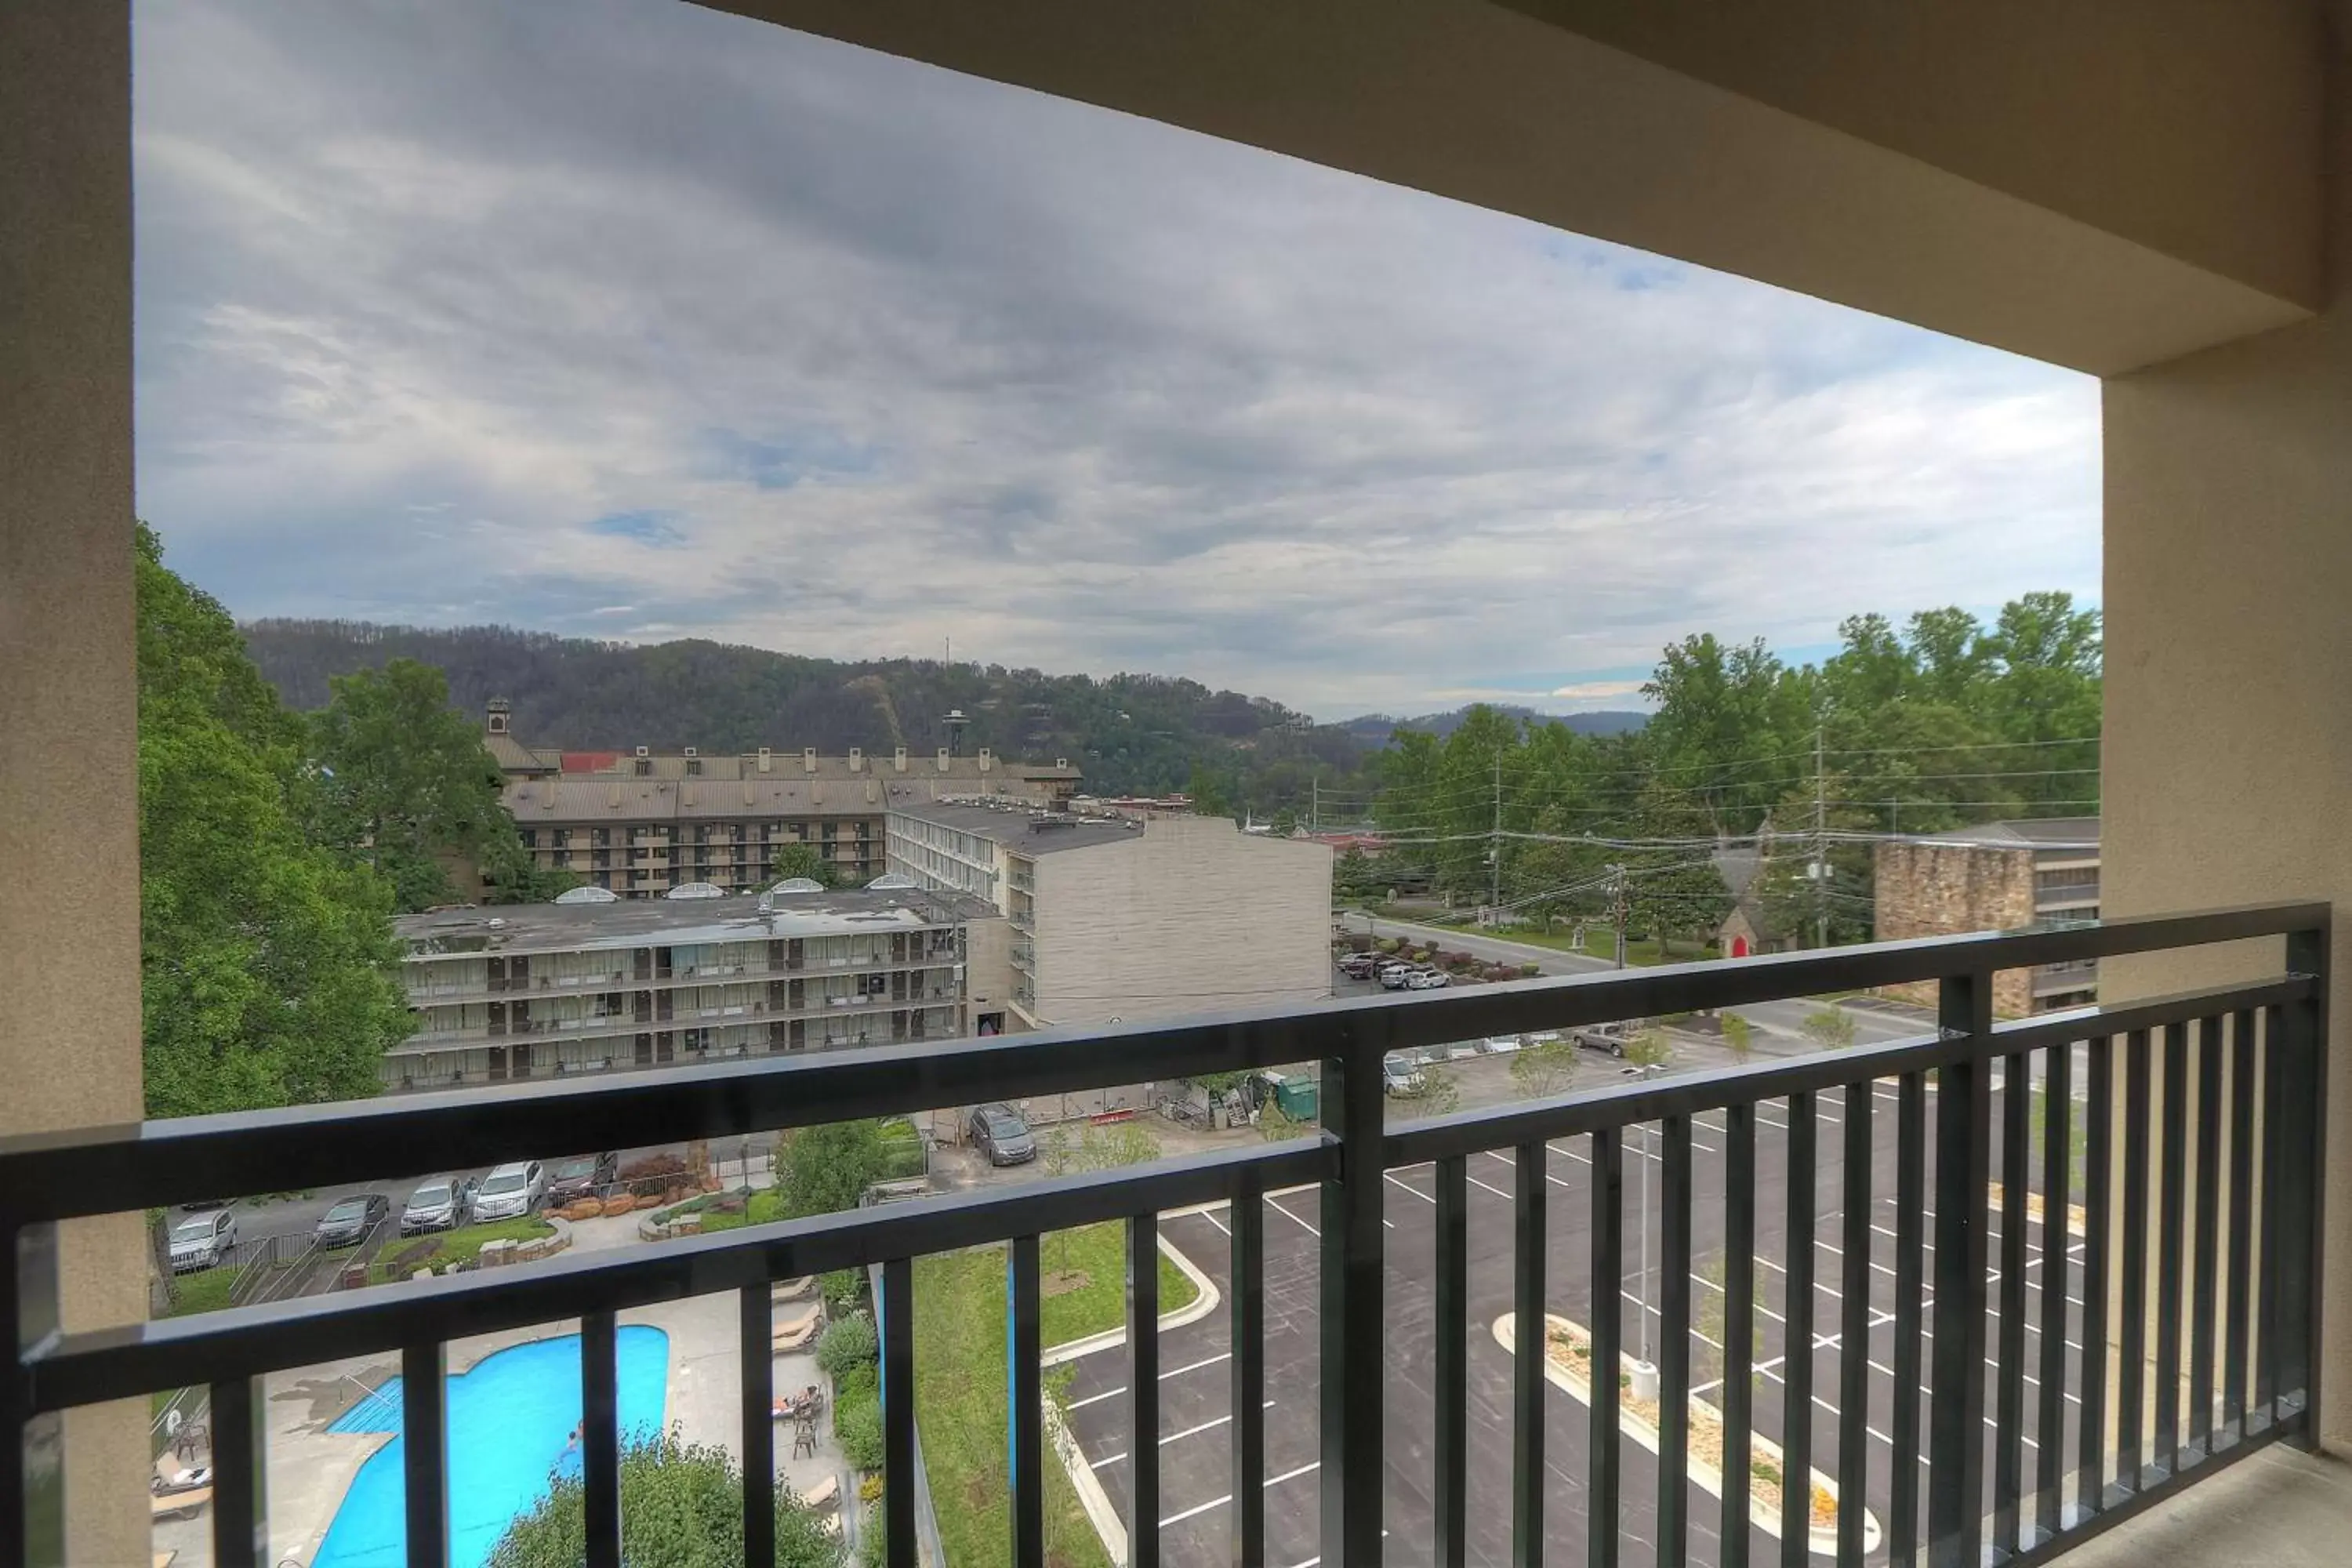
1706,1476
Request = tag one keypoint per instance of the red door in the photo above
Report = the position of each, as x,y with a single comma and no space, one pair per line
1739,947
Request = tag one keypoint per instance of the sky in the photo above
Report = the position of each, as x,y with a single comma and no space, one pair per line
628,320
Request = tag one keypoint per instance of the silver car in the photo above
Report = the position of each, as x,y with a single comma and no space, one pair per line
441,1203
202,1241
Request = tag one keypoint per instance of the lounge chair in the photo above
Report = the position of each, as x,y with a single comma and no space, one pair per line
799,1289
824,1496
182,1505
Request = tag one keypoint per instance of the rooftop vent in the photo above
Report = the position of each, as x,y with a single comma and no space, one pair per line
588,895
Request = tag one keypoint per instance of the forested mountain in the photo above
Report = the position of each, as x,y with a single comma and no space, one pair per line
1374,728
1128,733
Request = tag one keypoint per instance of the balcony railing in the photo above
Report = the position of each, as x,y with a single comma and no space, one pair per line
2200,1123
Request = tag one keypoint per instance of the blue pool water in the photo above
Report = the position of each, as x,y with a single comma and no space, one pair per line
511,1416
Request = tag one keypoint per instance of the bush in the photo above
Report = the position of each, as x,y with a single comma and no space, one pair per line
681,1507
844,1288
1530,970
861,1385
1388,944
859,1428
847,1344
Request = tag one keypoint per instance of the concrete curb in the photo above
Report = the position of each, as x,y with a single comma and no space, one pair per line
1205,1301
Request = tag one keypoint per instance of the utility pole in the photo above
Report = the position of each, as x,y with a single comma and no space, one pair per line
1315,801
1821,845
1494,847
1618,908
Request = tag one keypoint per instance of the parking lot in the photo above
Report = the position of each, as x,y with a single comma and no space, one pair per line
1194,1508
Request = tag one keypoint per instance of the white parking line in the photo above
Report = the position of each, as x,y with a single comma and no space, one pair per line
1513,1162
1220,1502
1172,1436
1171,1372
1390,1177
1276,1203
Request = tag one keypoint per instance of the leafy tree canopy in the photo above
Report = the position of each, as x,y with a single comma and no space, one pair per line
804,861
681,1507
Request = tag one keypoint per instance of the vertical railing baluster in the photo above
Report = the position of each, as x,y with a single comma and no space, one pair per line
897,1357
1853,1326
2057,1243
1608,1277
1674,1344
1246,1387
1354,1322
2009,1357
1957,1380
755,1318
1143,1390
424,1452
32,1480
240,1476
1910,1218
1738,1333
2205,1261
2272,1238
1026,1398
1797,1351
2131,1367
599,1437
2304,1222
2237,1332
1452,1392
2172,1159
1531,1341
2098,1185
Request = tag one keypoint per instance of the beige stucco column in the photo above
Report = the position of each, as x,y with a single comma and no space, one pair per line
68,822
2229,687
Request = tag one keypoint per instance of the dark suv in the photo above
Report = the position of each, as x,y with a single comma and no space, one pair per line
998,1131
581,1176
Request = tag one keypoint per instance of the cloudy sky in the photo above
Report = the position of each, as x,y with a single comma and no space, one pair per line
631,320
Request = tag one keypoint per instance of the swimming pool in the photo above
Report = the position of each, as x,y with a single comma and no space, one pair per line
511,1416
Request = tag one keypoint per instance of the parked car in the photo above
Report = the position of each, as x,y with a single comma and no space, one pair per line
1395,976
202,1241
1608,1038
1360,965
511,1190
350,1220
1501,1044
581,1176
443,1204
1428,980
998,1131
1402,1076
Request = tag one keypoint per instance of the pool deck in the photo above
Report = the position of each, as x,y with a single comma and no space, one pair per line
310,1467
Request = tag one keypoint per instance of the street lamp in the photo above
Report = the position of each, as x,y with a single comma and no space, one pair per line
1645,1370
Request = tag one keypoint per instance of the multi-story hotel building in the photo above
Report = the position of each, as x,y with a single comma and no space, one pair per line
592,983
639,823
1121,918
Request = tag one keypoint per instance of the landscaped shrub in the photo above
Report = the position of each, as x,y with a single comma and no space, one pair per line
1530,970
859,1428
650,1165
844,1288
847,1344
1388,944
860,1384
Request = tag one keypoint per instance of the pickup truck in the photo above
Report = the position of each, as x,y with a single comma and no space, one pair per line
1608,1038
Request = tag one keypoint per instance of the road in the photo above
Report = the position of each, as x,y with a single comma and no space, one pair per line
1195,1507
1786,1019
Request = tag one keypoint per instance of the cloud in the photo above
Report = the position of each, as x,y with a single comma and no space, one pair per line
1588,691
873,355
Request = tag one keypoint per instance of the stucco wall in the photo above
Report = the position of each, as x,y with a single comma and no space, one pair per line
1191,916
69,906
2229,689
1944,889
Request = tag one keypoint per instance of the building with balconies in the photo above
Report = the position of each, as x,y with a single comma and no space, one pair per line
542,991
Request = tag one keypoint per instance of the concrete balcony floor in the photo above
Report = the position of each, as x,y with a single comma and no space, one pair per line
2281,1509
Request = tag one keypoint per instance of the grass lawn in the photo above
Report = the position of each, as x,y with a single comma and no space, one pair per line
449,1246
960,1384
203,1290
763,1207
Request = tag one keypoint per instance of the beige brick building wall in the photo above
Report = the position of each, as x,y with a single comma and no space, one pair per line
1944,889
1192,915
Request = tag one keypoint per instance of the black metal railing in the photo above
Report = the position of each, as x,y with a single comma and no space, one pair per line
2209,1356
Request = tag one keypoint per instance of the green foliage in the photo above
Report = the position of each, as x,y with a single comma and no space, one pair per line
826,1169
801,859
400,782
267,968
1649,1048
859,1429
1738,1037
681,1507
201,1290
843,1289
1829,1026
1543,1068
846,1342
1440,1093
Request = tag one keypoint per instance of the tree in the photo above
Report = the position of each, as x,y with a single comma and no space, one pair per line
1543,1068
681,1507
1440,1093
1649,1048
1739,1037
400,782
1829,1026
268,973
826,1169
801,858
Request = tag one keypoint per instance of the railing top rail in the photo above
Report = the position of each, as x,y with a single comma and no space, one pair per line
135,1165
1630,1102
86,1368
